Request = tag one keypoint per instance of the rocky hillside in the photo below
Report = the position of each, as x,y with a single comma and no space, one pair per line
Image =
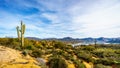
10,58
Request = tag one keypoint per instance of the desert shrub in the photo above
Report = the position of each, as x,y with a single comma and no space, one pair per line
9,42
25,52
57,62
36,53
117,52
89,48
18,48
61,52
69,51
3,41
27,42
101,66
68,56
104,61
98,54
60,45
107,62
85,56
79,64
39,46
44,43
30,47
69,47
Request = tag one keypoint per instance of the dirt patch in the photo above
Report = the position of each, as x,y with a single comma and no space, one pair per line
8,54
10,58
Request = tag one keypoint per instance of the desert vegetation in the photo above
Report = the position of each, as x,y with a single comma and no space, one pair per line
59,54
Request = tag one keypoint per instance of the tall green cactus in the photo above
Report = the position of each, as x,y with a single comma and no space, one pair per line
21,32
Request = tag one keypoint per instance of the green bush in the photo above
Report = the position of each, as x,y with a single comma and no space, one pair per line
60,45
103,61
85,56
57,62
89,48
37,53
25,52
30,47
79,64
101,66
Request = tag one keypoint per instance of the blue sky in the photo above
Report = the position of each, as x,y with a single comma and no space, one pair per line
61,18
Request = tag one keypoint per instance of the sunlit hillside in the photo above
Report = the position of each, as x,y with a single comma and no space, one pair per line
55,54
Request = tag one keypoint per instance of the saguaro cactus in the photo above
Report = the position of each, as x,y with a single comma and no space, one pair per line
95,41
20,33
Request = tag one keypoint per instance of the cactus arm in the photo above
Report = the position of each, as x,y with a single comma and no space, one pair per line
18,33
23,29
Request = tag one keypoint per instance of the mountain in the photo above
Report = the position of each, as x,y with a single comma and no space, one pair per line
70,39
77,40
114,40
33,38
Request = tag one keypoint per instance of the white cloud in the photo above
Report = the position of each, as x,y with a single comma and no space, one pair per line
99,20
75,18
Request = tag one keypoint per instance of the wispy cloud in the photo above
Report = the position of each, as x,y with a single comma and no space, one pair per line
60,18
99,20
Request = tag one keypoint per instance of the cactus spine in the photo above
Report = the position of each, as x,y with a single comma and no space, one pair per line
21,32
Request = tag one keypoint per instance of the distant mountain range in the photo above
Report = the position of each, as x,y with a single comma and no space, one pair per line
87,40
